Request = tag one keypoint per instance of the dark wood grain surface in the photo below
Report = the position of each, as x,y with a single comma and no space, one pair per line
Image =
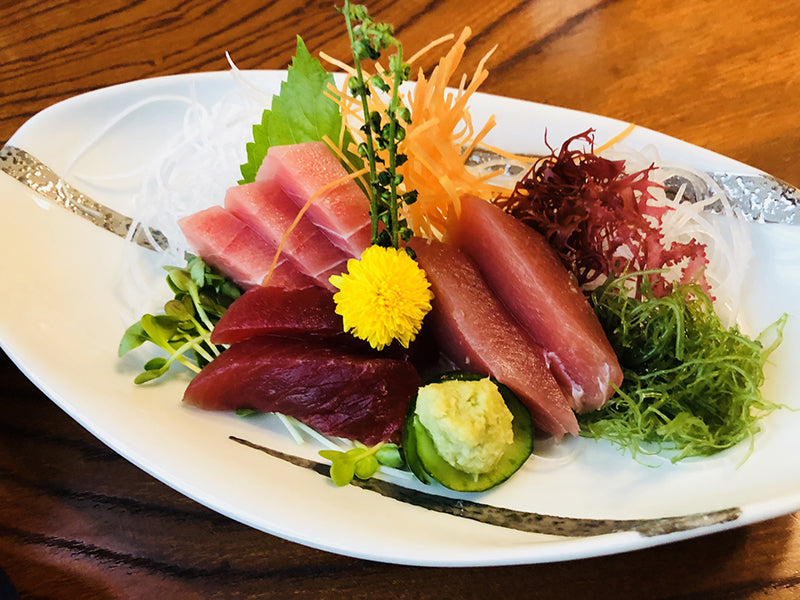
78,521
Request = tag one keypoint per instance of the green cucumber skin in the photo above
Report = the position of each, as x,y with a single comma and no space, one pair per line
408,445
421,455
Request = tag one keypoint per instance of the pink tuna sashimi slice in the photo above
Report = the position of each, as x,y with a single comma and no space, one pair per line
476,332
335,392
341,212
227,243
265,207
273,311
527,276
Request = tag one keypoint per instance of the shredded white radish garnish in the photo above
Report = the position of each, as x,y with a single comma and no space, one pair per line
189,172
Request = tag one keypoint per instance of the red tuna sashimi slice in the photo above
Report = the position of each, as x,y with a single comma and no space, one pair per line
227,243
527,276
265,207
273,311
335,392
341,212
476,332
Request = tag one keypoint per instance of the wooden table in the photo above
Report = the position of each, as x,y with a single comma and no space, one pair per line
78,521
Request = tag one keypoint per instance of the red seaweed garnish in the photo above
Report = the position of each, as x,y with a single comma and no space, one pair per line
600,219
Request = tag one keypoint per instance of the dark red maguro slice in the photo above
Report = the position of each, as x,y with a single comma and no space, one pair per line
337,392
525,273
274,311
477,333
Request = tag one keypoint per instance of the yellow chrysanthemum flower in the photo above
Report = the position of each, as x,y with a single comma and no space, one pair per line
383,296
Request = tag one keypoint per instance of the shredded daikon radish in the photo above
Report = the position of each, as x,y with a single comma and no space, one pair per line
189,172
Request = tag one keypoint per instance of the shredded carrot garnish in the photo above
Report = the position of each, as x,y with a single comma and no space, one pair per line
337,63
521,158
439,139
437,42
616,139
344,159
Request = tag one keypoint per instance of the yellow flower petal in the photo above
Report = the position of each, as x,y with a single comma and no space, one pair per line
383,296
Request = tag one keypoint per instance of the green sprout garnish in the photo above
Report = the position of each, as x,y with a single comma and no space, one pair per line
361,461
202,295
383,131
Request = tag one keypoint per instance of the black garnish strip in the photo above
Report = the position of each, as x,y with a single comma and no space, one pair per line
515,519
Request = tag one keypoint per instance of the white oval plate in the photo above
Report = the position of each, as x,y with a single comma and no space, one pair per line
64,310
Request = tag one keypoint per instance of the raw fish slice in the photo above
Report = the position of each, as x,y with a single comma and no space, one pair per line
476,332
227,243
341,212
270,212
335,392
308,313
527,276
273,311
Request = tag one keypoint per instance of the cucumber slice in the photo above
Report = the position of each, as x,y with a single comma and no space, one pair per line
426,463
408,444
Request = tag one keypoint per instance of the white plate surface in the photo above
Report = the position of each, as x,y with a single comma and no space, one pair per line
64,308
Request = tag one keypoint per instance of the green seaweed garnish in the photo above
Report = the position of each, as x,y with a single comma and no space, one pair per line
691,385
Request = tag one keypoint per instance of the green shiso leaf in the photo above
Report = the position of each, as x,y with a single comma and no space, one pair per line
302,112
691,386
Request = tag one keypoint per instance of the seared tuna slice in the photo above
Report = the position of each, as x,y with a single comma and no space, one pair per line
477,333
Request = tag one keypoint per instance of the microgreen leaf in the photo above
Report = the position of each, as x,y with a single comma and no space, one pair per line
197,271
343,466
179,310
246,412
159,328
180,279
155,364
133,337
361,461
366,467
146,376
389,455
199,291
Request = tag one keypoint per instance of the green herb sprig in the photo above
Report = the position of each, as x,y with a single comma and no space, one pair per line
183,331
361,461
383,131
691,385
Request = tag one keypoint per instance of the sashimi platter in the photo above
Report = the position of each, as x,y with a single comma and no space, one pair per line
375,311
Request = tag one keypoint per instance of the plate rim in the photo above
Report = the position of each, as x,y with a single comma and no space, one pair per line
597,547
